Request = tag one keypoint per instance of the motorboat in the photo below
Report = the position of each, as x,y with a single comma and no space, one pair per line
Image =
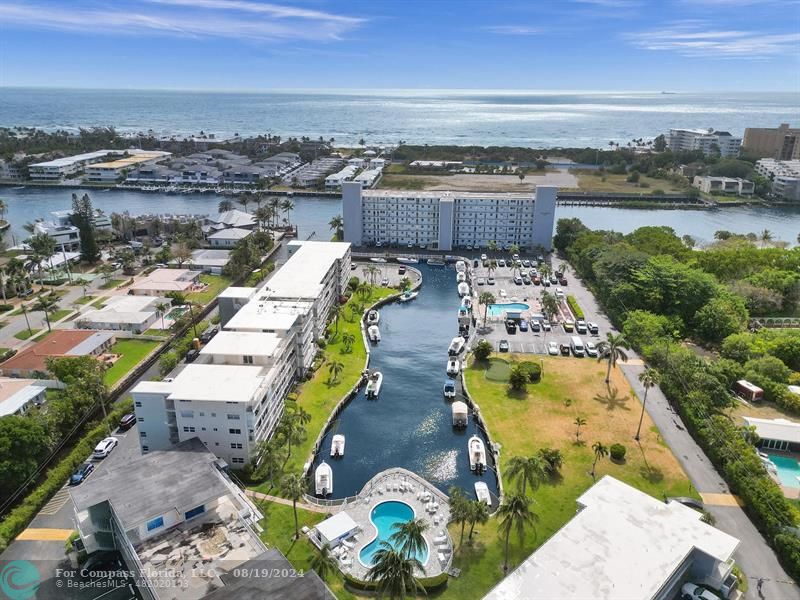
373,317
408,296
463,289
374,333
323,479
461,266
435,262
461,276
477,454
337,445
407,260
466,302
456,346
453,366
482,492
374,382
449,389
377,260
460,412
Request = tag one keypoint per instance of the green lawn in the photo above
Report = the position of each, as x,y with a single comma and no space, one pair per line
25,334
406,182
111,284
132,351
216,283
159,332
60,314
85,299
278,532
543,418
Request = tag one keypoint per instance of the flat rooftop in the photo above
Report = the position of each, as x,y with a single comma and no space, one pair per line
129,161
622,544
217,383
301,276
243,343
775,429
15,393
263,314
449,195
237,292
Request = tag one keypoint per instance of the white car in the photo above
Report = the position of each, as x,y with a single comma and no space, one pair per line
484,257
552,349
480,281
695,592
591,349
546,325
105,447
503,294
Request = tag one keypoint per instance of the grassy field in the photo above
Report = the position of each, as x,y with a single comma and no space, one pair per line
159,332
278,532
60,314
216,283
406,182
25,334
544,417
111,284
596,181
85,299
132,351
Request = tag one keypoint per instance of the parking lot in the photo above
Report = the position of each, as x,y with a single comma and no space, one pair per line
508,291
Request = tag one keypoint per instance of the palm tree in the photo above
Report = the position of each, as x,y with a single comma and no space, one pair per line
336,311
244,200
515,514
478,514
409,537
492,266
553,459
394,573
514,249
324,562
648,378
611,350
47,304
3,208
549,303
336,224
492,246
224,206
486,298
334,370
267,461
526,470
348,339
600,451
459,508
293,487
274,204
287,206
578,422
263,215
364,289
765,237
162,308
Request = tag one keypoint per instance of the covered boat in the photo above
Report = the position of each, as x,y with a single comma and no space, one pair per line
482,492
460,414
477,454
373,317
461,276
466,302
463,289
337,445
374,384
434,262
374,333
449,389
378,260
323,479
461,266
456,346
453,366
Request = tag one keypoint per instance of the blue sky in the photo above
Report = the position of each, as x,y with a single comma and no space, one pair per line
676,45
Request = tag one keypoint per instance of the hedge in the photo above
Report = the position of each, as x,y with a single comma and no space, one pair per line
19,518
431,584
574,307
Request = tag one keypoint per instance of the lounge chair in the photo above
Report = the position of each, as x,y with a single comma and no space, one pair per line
436,520
442,557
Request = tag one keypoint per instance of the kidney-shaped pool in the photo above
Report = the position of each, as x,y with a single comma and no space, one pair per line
385,516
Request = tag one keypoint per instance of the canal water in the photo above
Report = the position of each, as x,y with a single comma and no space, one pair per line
410,424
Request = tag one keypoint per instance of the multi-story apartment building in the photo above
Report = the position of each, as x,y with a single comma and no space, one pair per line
66,236
781,143
447,220
703,139
233,395
114,170
58,169
726,185
784,175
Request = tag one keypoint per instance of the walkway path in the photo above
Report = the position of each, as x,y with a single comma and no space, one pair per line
284,501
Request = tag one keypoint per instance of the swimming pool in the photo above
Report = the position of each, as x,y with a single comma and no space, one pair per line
497,310
384,516
788,470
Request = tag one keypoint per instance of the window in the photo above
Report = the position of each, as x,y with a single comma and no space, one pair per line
237,460
188,429
145,448
187,414
140,419
155,523
233,417
198,510
143,434
236,446
138,404
235,431
248,360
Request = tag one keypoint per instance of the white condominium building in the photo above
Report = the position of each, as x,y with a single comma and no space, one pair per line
705,140
233,395
57,169
447,220
784,175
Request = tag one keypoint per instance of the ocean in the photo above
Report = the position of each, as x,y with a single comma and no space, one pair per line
462,117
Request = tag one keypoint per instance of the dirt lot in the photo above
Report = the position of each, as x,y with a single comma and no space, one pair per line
611,182
477,183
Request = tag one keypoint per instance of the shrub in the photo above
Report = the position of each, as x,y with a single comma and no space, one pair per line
321,343
617,452
518,378
658,192
788,546
574,307
167,362
553,458
633,177
482,350
352,284
532,370
5,307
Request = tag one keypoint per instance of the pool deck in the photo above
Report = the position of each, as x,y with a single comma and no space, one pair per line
400,485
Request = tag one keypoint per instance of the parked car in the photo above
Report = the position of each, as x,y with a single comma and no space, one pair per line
475,263
552,349
518,280
401,270
562,280
101,564
127,421
564,349
690,591
526,280
592,327
553,279
209,333
192,355
568,326
590,349
537,280
546,325
546,282
535,325
580,326
480,281
526,262
490,280
515,257
511,326
484,257
353,266
503,347
501,263
81,473
104,447
523,325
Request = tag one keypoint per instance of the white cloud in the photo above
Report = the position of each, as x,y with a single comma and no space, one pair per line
696,39
512,29
183,18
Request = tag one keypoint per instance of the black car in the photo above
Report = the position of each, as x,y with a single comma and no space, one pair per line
127,421
192,355
535,325
102,564
564,349
209,333
81,473
511,326
503,347
401,270
475,263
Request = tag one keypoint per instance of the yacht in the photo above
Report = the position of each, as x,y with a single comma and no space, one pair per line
466,302
323,479
435,262
463,289
374,384
456,346
482,492
408,296
407,260
453,367
461,276
337,445
378,260
477,454
461,266
373,317
374,333
449,389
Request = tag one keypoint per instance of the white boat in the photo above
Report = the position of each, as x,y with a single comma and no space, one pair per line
453,366
456,346
449,389
434,262
477,454
461,266
374,384
337,445
463,289
407,260
408,296
461,276
482,492
323,479
373,317
374,333
378,260
466,302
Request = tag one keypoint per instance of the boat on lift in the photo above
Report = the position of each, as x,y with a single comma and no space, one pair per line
408,296
461,266
482,492
477,454
453,367
374,333
374,383
456,346
337,445
461,276
377,260
373,317
449,389
466,302
323,479
463,289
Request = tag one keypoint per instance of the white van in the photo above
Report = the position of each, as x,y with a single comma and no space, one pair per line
576,344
